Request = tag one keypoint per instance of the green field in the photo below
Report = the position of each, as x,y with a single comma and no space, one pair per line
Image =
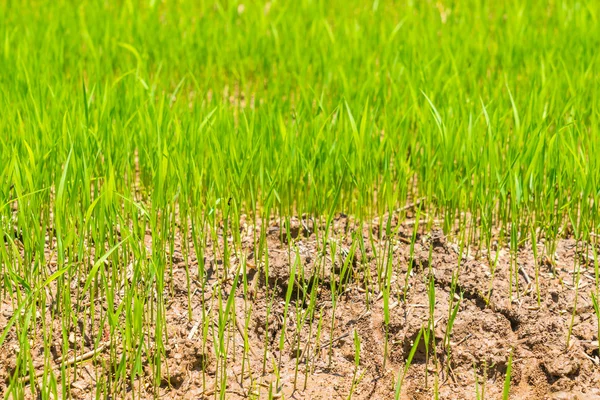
156,157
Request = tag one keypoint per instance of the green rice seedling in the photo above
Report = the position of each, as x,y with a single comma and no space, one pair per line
595,296
597,311
407,364
386,321
478,392
274,386
452,313
225,315
493,266
288,298
576,278
310,316
507,379
318,334
429,333
347,272
386,301
356,363
367,279
537,266
453,307
513,267
412,252
297,351
247,315
334,301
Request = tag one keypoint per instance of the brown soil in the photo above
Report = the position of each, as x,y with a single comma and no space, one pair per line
318,361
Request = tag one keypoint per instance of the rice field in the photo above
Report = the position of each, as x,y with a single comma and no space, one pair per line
299,199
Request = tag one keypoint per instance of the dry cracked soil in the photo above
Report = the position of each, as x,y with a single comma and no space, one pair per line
553,339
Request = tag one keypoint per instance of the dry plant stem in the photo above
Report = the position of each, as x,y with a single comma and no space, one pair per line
525,275
69,362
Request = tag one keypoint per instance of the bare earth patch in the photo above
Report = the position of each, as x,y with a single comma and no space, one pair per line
317,360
